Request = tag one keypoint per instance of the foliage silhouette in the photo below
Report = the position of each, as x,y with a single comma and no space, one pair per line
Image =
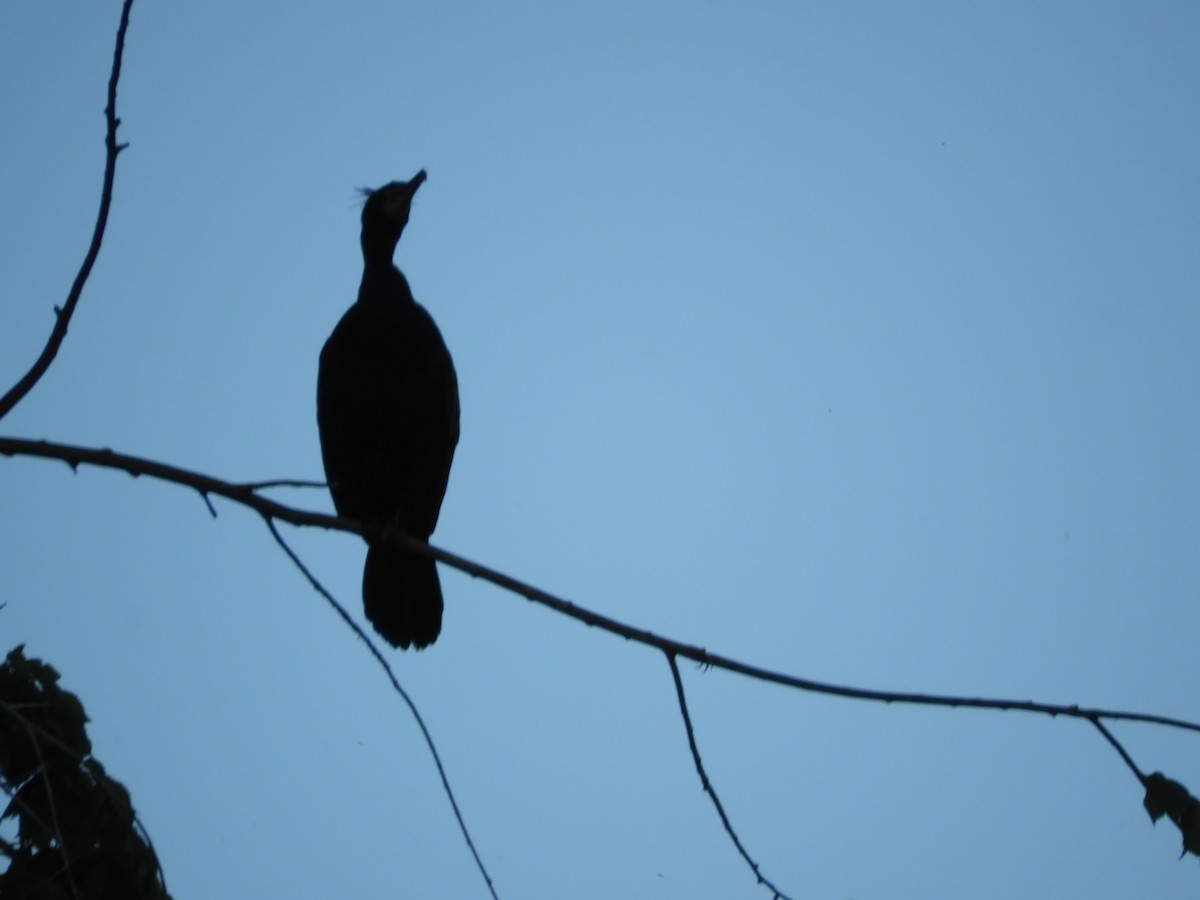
76,833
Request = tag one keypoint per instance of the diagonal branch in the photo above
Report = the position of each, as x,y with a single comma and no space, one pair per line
412,707
63,315
245,494
706,659
708,788
1108,736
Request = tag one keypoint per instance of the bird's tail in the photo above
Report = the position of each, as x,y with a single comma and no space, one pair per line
402,596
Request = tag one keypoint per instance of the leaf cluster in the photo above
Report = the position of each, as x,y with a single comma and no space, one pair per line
1167,797
76,835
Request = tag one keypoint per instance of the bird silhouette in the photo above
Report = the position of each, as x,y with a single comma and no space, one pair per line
387,412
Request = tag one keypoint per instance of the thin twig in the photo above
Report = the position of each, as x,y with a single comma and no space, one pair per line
75,456
282,483
708,788
202,484
63,316
1108,736
341,611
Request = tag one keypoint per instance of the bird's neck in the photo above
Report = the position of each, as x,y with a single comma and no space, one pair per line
382,282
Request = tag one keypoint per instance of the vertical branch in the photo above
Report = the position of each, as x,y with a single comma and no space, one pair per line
63,315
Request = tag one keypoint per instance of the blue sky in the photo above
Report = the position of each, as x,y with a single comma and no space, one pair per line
854,340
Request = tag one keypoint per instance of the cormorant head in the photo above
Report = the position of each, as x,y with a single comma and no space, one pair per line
385,214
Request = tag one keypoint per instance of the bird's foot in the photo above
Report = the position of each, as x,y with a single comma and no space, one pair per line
381,531
386,531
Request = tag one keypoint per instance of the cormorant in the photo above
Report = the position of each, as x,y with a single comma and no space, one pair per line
387,411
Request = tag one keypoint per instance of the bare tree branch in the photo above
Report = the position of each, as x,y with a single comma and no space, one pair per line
437,759
63,315
708,788
1108,736
245,495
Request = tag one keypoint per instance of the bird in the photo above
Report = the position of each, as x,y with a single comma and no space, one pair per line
388,418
